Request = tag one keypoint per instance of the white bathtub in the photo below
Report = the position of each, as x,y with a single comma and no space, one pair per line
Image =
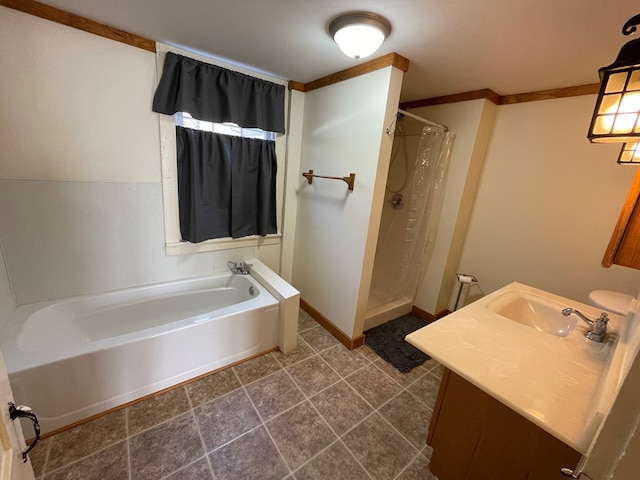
74,358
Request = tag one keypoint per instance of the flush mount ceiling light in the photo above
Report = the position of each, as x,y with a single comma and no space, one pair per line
630,154
359,34
616,118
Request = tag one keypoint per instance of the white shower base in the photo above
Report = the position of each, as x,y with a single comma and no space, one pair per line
388,311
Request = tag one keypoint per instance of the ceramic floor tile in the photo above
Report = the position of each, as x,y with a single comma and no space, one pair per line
418,470
300,433
368,353
225,418
253,456
343,360
86,439
375,386
413,426
198,470
430,364
426,389
427,451
379,448
341,407
108,464
167,444
305,321
313,375
274,394
38,456
335,463
437,371
155,410
319,339
404,379
302,351
257,368
165,448
212,386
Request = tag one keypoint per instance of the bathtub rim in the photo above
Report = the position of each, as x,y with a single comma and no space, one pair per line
20,360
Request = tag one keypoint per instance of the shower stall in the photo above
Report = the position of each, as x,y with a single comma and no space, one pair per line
410,216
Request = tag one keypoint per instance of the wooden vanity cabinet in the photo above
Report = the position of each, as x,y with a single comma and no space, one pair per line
624,246
476,437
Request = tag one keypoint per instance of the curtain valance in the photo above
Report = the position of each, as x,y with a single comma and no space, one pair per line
215,94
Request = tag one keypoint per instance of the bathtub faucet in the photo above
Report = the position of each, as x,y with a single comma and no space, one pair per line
239,267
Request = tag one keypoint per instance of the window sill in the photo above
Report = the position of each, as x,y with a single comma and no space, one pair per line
182,248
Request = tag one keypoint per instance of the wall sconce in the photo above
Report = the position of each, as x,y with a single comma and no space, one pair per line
616,117
359,34
630,154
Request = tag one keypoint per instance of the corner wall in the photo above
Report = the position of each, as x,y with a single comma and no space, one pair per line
547,204
472,122
336,229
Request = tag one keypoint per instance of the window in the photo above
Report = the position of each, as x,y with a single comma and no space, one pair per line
183,119
168,124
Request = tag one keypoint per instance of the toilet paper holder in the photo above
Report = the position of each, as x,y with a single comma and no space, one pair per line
463,279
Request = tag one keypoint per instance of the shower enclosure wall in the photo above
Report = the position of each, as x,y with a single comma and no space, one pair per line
411,212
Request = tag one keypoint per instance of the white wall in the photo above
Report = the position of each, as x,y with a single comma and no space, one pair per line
547,204
80,192
336,229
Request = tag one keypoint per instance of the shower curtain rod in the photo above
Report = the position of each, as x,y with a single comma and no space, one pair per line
420,119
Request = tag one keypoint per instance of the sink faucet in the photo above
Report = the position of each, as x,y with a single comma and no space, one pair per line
598,327
239,267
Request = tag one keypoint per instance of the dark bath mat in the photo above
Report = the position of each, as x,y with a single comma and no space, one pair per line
387,340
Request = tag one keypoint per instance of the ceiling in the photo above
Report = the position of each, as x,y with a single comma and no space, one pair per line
454,46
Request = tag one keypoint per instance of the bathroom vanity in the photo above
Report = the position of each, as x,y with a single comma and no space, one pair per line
524,391
474,436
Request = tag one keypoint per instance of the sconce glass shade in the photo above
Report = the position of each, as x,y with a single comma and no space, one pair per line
616,117
359,34
630,154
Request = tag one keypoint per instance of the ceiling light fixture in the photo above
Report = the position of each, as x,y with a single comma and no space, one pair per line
616,117
630,154
359,34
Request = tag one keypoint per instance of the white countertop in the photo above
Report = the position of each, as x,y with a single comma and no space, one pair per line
565,385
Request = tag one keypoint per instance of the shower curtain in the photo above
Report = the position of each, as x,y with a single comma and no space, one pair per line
399,265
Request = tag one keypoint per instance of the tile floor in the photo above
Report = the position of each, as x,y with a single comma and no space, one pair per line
322,412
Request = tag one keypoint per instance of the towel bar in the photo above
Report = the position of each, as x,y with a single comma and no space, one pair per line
350,180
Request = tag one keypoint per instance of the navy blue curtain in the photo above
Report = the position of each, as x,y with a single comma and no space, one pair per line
226,185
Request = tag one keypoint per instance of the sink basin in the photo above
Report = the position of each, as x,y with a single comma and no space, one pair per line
534,311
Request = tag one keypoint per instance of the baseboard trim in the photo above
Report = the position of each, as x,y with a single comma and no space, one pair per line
429,317
343,338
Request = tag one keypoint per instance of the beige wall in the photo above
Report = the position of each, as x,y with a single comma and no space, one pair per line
75,106
547,203
336,229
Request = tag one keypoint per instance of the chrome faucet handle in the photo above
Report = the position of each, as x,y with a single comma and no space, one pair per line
600,323
239,267
597,328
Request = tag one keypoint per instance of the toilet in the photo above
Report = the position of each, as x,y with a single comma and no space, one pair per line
614,302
